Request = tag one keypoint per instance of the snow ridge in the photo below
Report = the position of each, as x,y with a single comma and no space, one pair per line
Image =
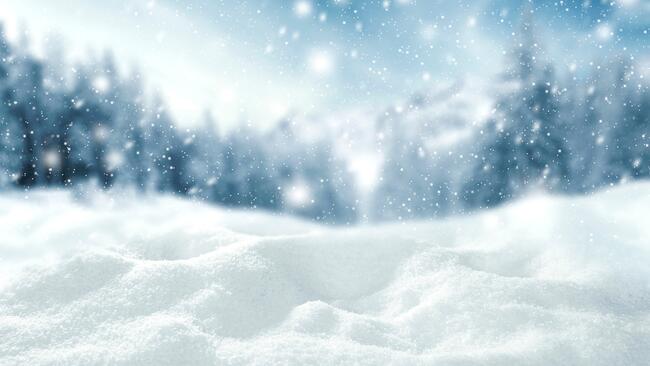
162,281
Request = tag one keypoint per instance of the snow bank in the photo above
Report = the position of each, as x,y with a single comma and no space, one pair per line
160,281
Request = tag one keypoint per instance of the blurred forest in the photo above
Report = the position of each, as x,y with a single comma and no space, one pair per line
87,125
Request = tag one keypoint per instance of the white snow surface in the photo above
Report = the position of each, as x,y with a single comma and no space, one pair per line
162,281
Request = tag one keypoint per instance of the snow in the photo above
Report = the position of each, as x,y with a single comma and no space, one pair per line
302,8
162,281
321,62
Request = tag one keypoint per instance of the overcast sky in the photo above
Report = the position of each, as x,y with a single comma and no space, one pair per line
258,60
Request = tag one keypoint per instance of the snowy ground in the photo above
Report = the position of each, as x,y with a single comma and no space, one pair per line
157,281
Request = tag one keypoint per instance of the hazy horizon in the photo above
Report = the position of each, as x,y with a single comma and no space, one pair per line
258,62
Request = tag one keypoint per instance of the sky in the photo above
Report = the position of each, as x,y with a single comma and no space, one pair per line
257,61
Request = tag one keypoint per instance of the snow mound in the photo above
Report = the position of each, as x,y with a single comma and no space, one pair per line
160,281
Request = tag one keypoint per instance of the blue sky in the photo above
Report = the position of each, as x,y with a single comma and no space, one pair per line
257,60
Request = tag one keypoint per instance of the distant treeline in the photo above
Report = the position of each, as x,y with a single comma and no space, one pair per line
65,126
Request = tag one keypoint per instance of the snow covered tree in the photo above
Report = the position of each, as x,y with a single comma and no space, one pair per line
206,164
127,153
168,150
406,188
10,133
89,130
26,108
585,137
525,145
247,177
319,186
630,125
311,181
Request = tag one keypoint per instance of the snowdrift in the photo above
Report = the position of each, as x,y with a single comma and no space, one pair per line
160,281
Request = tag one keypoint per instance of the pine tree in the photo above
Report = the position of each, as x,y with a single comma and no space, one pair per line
10,134
248,178
169,152
525,145
206,165
129,150
27,110
630,126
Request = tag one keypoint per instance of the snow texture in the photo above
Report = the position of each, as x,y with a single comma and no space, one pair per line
162,281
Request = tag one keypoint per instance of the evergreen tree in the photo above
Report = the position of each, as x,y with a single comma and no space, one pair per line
129,150
10,133
525,145
168,151
26,109
406,186
206,165
629,155
248,178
